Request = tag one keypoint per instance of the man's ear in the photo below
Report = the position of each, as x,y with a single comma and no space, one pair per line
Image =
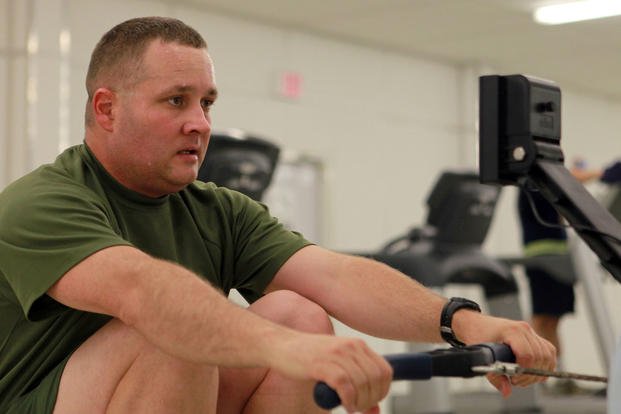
103,107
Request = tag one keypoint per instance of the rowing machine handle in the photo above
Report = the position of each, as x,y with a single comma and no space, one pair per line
405,366
420,366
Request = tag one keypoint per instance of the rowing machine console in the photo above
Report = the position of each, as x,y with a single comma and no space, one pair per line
520,122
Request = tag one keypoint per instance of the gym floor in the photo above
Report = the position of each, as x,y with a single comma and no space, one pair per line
488,403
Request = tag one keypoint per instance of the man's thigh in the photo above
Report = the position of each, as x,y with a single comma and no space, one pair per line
95,369
117,369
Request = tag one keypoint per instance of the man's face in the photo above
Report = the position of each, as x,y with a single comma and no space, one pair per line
162,123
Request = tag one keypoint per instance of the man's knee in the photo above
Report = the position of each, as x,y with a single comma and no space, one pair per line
295,311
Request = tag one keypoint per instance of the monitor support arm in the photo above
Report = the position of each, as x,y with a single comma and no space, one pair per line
588,218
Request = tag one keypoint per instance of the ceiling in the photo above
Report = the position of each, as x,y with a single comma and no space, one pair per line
497,34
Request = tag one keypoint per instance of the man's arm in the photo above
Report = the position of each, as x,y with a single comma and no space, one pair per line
175,309
186,317
367,295
378,300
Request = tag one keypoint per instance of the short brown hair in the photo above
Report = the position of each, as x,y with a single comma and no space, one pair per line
119,52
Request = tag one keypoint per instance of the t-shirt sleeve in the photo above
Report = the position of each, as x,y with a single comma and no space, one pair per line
44,232
262,245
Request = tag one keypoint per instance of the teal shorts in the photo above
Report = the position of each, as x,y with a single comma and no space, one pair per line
42,399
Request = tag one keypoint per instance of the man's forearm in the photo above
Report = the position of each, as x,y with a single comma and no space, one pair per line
378,300
186,317
173,308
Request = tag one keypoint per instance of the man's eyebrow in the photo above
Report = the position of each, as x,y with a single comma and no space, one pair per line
212,92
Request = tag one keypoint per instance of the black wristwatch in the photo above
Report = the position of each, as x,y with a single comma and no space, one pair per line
446,318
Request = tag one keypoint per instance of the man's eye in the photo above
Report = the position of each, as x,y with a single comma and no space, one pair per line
175,100
206,103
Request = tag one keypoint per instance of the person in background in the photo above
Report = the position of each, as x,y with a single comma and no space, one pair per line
552,297
116,265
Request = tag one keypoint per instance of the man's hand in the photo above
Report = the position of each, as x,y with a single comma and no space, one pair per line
360,376
530,350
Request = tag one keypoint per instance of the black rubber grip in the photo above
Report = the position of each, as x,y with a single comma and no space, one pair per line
405,367
501,352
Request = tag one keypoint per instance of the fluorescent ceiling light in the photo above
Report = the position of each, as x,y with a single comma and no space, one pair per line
576,11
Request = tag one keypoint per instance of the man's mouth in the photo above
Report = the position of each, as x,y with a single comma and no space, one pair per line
192,155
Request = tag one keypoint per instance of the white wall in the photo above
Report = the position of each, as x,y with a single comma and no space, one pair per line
383,124
13,68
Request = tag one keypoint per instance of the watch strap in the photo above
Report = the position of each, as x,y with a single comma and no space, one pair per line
446,318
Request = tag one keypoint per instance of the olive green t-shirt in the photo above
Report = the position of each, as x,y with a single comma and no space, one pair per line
54,217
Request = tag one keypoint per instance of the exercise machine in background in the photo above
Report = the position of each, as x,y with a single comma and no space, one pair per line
241,162
290,183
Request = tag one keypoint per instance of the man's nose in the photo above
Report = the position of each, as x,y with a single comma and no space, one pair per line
198,122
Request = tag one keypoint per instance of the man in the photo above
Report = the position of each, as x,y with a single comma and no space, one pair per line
116,265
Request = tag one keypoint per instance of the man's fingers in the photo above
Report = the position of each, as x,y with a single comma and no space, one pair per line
373,410
501,382
358,370
380,373
531,351
360,376
532,357
376,374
